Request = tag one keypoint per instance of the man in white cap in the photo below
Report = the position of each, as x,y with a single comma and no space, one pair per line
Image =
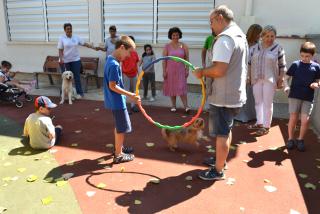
39,128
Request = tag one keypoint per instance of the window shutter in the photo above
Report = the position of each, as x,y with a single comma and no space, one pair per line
133,18
26,20
192,17
63,11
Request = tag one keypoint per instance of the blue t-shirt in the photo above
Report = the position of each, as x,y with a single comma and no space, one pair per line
303,74
113,73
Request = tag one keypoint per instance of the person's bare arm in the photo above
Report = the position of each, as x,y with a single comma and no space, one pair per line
114,87
203,57
61,56
286,83
2,79
216,70
315,84
186,50
164,64
88,45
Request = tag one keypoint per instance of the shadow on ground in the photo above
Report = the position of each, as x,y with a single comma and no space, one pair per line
161,196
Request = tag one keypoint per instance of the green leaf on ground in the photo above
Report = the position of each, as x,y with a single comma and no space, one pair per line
149,144
32,178
101,185
137,202
301,175
6,179
2,209
48,180
233,148
61,183
47,200
188,178
67,176
211,150
154,180
266,181
310,186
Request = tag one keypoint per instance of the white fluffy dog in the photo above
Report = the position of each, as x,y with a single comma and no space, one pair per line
67,89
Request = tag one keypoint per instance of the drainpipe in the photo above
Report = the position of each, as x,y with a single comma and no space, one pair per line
249,4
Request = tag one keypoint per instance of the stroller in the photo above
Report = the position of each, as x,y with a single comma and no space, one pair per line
13,95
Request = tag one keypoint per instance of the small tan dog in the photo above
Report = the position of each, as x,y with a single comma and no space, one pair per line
190,135
67,89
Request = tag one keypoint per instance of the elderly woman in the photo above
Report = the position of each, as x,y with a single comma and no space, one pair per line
247,112
175,74
69,55
267,66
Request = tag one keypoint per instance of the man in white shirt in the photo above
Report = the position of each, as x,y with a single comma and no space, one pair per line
229,70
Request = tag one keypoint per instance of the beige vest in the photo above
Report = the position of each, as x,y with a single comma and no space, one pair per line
230,90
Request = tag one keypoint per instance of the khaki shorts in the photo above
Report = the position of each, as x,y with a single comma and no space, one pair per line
300,106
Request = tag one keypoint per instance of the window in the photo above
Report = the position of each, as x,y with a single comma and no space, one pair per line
131,17
42,20
189,15
150,20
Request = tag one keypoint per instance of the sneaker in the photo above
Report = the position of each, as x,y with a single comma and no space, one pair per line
123,158
211,174
152,99
212,162
173,109
127,149
291,144
300,145
78,97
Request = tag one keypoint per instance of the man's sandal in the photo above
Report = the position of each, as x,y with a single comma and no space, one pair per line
262,131
255,126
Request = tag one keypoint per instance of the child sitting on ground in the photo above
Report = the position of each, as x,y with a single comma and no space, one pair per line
7,77
38,126
149,75
305,76
115,97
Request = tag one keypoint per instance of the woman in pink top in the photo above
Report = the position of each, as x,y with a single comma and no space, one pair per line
175,74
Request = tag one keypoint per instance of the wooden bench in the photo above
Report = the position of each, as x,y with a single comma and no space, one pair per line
89,69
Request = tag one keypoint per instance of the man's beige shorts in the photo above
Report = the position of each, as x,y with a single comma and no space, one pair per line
300,106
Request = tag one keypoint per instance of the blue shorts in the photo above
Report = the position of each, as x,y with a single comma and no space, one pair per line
122,120
221,120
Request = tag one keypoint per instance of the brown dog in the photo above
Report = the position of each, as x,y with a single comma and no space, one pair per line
190,135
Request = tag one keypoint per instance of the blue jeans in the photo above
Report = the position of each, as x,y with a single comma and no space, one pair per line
75,68
58,132
221,120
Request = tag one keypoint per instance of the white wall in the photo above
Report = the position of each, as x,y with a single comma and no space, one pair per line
29,57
